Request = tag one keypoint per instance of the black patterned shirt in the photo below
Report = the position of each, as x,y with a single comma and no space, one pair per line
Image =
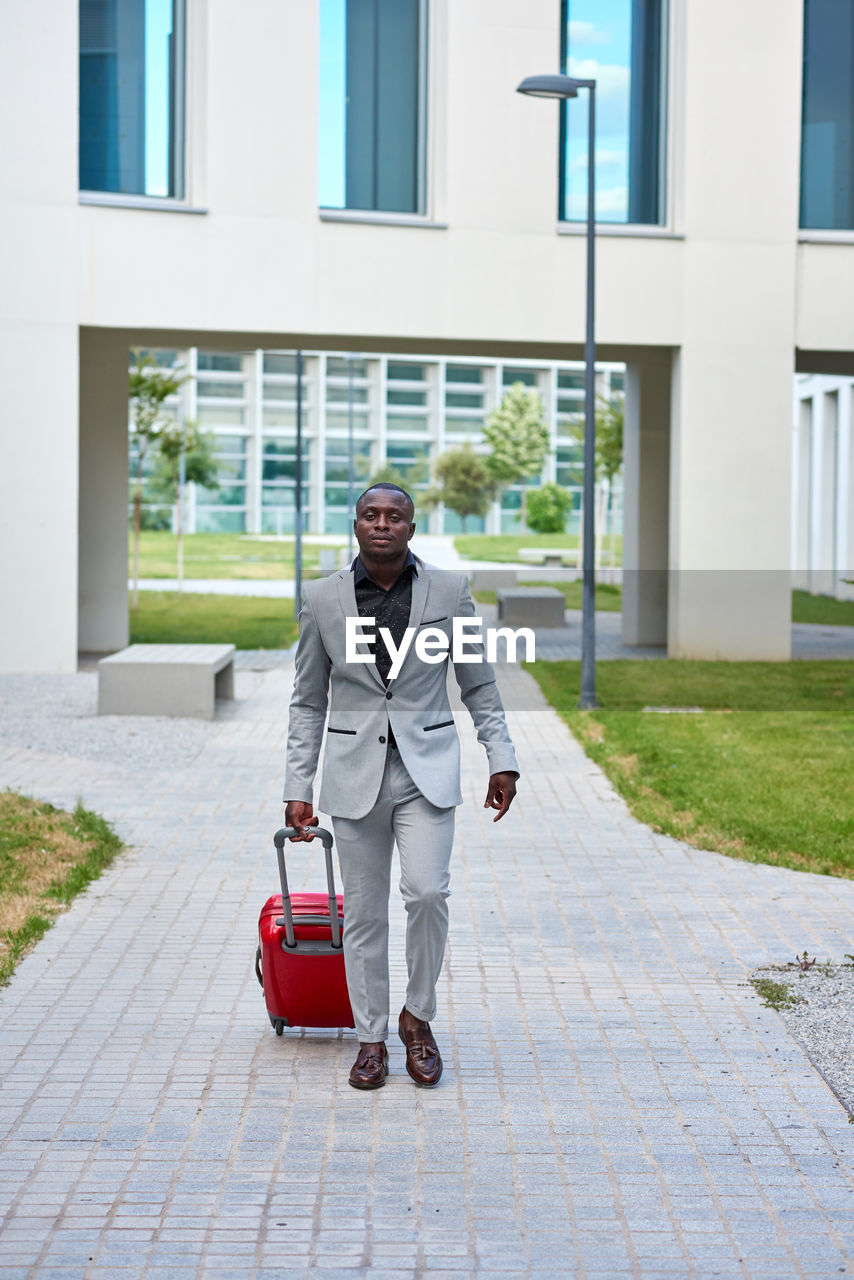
390,608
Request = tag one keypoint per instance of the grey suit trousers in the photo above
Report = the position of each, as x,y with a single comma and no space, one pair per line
424,835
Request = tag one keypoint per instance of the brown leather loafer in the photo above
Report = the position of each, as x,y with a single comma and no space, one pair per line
423,1060
370,1068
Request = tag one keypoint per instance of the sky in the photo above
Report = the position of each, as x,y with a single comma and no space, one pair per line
333,82
158,27
600,49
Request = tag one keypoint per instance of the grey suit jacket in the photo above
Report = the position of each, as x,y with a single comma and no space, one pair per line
361,708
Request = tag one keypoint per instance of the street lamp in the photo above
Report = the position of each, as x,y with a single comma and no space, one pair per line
567,87
298,497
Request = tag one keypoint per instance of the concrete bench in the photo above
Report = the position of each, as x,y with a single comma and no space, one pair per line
491,579
551,557
165,680
531,606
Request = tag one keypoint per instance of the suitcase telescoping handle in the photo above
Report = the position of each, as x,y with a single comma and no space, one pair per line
325,836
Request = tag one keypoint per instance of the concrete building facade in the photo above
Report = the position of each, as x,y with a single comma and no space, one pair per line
406,411
180,196
823,486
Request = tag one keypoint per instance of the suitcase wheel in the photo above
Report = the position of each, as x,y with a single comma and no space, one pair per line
279,1026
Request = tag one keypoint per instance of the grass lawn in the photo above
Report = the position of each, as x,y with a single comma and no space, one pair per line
764,773
609,599
220,555
822,609
46,857
505,546
248,622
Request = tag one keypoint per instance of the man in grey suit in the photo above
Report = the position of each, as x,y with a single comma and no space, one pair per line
391,769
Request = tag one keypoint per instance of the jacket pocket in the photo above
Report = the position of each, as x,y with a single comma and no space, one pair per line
331,730
446,724
433,621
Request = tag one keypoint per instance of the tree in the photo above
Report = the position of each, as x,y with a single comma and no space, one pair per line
415,473
518,438
609,456
609,437
184,453
149,388
463,483
547,508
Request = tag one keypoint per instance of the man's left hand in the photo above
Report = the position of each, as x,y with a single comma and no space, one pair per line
502,789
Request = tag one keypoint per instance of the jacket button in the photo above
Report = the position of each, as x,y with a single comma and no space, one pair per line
382,739
388,695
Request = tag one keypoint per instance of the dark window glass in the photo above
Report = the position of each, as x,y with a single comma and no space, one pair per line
827,150
621,44
340,367
274,362
221,390
526,376
405,372
211,360
132,96
462,373
372,105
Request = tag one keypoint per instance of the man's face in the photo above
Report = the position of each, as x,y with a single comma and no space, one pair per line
383,524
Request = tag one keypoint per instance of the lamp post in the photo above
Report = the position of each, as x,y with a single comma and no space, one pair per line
556,86
298,496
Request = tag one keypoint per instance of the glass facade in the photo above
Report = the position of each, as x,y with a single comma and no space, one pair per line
406,411
132,97
827,123
372,117
622,45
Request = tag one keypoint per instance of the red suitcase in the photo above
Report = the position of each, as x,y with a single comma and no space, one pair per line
300,961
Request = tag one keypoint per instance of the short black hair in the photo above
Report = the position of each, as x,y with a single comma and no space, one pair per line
386,484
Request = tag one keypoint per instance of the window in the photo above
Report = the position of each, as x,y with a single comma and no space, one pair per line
279,391
223,510
132,97
621,44
406,397
338,517
372,124
827,144
221,390
464,400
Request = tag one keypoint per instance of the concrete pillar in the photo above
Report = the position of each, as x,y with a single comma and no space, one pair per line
801,493
38,497
38,338
823,494
646,467
730,540
845,495
103,472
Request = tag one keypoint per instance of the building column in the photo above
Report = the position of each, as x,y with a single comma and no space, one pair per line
38,496
646,450
103,516
730,501
844,587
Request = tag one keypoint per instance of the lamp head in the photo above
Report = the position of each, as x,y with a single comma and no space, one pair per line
551,86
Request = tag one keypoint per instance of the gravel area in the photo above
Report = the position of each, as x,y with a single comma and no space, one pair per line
59,714
820,1015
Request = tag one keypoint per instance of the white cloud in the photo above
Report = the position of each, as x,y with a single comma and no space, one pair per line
611,79
603,157
611,205
587,33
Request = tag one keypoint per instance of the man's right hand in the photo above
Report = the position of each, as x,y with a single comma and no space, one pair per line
300,815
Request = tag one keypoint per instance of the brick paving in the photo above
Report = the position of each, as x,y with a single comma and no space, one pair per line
615,1102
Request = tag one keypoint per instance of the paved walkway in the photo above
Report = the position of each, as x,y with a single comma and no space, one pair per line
616,1102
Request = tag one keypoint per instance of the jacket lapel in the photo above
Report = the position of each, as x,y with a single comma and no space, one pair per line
347,599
